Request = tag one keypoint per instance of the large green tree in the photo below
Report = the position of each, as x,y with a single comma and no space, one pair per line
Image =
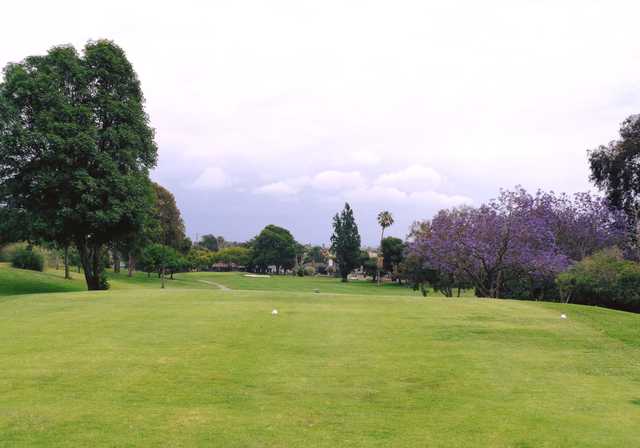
76,148
615,169
345,242
274,246
171,226
392,249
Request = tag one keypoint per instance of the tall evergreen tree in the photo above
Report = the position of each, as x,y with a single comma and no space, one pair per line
345,242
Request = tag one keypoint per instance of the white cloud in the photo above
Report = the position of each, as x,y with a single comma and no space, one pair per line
439,199
337,180
376,194
366,158
212,178
324,181
395,196
412,178
277,189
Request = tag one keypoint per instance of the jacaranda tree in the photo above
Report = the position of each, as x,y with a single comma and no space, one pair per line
516,244
76,148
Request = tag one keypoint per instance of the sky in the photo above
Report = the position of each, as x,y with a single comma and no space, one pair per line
279,112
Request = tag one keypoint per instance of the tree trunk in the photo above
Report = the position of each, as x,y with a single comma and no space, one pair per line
162,276
90,259
66,262
116,262
378,260
132,264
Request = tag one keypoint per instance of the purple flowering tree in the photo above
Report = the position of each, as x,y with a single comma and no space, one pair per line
516,237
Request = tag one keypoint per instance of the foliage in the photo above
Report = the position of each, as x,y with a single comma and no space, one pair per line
385,219
315,254
604,279
156,256
27,258
209,242
414,270
392,253
8,250
345,242
162,259
171,226
369,265
200,259
516,244
274,246
233,255
615,169
76,149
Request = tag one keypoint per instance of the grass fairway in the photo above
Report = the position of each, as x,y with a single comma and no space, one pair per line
144,367
332,285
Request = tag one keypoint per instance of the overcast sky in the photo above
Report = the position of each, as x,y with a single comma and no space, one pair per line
277,112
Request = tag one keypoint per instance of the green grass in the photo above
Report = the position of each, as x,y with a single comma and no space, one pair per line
204,367
20,281
332,285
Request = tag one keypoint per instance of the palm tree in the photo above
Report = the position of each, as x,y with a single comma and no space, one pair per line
385,219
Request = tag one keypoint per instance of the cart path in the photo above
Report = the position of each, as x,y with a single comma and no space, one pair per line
222,287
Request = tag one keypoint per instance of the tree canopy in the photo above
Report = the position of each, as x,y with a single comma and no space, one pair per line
517,243
210,242
392,252
76,148
274,246
615,169
171,226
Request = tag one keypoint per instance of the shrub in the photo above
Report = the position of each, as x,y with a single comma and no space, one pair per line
27,258
104,282
8,251
309,270
604,279
300,271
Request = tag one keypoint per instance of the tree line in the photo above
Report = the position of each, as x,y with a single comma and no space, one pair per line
76,148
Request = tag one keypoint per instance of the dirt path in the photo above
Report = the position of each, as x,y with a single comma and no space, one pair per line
222,287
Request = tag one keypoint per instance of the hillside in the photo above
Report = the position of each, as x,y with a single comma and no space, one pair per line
145,367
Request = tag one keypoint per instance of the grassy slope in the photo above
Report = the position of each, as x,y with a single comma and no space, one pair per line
145,367
20,281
